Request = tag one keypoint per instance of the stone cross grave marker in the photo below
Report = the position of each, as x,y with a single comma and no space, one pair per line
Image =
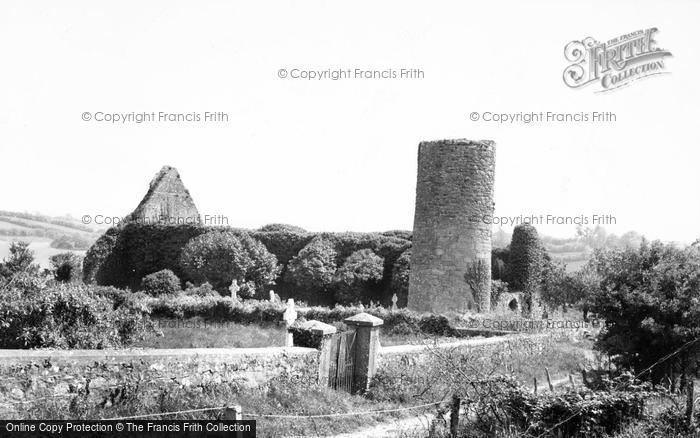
234,288
289,316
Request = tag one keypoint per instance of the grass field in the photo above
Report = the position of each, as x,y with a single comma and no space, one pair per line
201,333
40,245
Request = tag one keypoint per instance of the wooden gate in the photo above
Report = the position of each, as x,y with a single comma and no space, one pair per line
341,374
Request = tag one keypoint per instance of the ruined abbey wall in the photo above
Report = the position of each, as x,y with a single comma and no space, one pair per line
454,194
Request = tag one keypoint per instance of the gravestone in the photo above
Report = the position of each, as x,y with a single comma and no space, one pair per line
234,288
289,316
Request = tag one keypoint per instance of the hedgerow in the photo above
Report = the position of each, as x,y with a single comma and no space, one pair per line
37,314
125,254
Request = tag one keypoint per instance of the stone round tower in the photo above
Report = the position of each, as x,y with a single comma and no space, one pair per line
451,255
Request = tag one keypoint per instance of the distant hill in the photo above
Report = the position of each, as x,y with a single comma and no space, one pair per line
47,235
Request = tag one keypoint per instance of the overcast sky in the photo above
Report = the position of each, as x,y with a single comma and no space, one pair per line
341,155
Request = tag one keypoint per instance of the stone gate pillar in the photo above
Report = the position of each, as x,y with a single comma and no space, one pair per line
366,329
316,334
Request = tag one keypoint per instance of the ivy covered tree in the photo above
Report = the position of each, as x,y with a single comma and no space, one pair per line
526,263
650,299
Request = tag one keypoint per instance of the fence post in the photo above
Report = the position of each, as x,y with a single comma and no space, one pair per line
234,413
366,329
549,379
534,381
454,416
690,401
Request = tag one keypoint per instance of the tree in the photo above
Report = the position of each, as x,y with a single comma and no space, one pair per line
360,270
650,299
66,267
220,257
21,260
314,268
526,261
592,237
564,289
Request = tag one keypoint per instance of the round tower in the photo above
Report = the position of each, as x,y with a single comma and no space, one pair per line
451,255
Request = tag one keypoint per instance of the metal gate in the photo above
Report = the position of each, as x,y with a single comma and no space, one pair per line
341,374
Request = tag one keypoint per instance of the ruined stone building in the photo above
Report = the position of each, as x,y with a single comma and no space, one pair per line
451,255
167,201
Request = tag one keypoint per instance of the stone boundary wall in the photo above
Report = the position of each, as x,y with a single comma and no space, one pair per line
417,355
30,374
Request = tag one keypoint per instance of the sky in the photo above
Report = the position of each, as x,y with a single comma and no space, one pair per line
341,155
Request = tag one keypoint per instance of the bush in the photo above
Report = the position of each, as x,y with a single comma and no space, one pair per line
281,228
221,257
497,289
68,316
435,325
362,269
125,254
163,282
314,268
21,260
204,290
581,412
67,267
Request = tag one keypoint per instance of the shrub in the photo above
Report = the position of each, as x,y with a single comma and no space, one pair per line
648,297
222,257
360,270
125,254
581,412
282,228
163,282
68,316
314,268
435,325
66,267
203,290
497,288
21,260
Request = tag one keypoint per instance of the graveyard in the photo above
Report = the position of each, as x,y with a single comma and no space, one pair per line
170,316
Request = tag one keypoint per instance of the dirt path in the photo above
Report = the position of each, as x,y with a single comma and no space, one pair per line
419,425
